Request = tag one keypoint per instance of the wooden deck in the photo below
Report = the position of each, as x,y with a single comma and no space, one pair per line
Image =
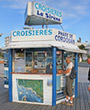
80,103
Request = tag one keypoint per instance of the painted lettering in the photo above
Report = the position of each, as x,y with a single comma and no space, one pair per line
48,10
38,13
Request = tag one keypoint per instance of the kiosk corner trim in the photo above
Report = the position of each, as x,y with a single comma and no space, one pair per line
54,78
10,75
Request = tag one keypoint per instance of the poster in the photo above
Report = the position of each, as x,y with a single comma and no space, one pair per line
19,65
30,90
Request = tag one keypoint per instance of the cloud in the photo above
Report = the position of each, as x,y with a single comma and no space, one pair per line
71,9
18,4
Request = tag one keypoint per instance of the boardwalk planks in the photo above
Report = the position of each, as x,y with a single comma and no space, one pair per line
80,103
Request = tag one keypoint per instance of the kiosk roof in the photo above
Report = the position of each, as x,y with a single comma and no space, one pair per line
45,44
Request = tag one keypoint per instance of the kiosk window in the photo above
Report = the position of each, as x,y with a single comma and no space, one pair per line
37,61
28,61
31,61
59,60
6,58
19,61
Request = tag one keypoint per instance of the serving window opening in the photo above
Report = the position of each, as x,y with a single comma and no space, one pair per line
33,61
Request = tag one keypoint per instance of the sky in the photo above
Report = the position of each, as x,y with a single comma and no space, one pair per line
76,16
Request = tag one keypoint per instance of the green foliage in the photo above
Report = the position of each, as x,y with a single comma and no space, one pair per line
20,54
88,56
84,61
82,47
36,85
1,55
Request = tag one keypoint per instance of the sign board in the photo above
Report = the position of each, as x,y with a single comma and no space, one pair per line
39,14
42,35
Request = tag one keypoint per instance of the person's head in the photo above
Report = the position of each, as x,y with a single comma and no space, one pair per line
68,59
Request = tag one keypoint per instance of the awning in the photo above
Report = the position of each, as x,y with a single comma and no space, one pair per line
46,44
68,47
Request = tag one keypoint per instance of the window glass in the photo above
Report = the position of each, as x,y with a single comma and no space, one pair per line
28,61
33,61
38,61
6,59
19,60
59,60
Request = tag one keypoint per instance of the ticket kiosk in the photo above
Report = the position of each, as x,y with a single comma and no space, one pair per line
36,56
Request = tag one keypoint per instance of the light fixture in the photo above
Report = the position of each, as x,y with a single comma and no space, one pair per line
4,34
26,27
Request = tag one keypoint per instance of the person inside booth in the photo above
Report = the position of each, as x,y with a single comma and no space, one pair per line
49,68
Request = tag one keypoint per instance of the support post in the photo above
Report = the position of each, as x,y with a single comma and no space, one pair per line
63,59
43,26
76,80
54,78
10,75
46,24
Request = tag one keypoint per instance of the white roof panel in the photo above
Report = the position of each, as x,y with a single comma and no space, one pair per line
46,44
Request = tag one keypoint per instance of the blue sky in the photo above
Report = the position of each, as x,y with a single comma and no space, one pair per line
76,16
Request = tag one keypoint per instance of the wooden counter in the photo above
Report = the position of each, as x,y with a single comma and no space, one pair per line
34,73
